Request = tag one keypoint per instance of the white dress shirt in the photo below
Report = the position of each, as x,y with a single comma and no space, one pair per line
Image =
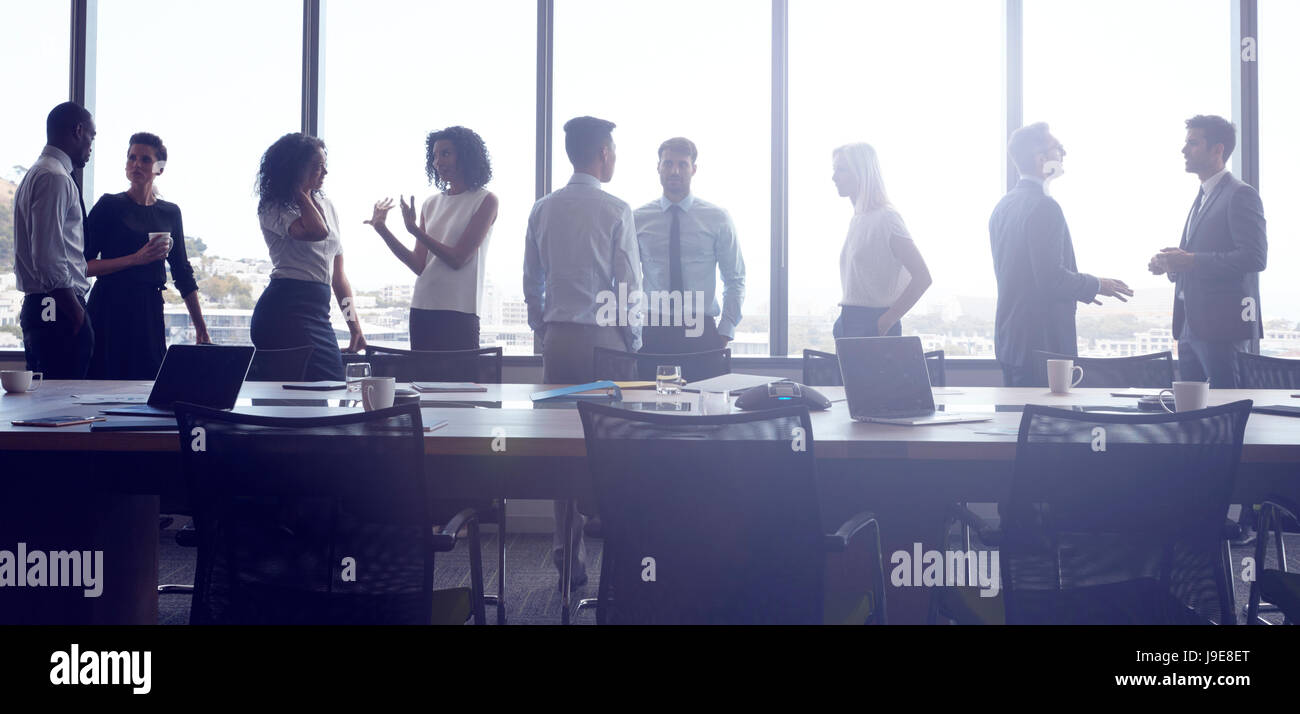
301,259
709,245
870,274
48,239
581,242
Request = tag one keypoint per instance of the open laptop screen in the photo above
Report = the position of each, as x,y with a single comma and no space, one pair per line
210,375
885,376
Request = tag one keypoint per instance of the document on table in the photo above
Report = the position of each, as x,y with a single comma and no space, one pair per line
102,399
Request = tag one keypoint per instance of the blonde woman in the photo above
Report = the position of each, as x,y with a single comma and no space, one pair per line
882,274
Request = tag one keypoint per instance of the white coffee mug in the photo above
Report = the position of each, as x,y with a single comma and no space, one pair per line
1188,396
377,392
161,237
20,380
1059,373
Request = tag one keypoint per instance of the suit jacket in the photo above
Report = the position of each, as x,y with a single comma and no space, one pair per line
1039,286
1227,236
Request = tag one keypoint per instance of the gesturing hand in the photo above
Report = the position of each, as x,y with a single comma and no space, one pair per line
381,212
1157,265
1113,288
408,213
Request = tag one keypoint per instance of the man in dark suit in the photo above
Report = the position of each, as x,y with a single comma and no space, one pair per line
1039,284
1215,269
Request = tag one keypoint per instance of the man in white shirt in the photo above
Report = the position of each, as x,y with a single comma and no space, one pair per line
580,268
49,261
684,242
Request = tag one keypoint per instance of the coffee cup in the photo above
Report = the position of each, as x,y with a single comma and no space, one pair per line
1188,396
1060,375
20,380
162,237
377,392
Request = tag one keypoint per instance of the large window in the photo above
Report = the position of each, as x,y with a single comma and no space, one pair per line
701,70
1149,66
218,84
34,46
393,72
920,82
1279,111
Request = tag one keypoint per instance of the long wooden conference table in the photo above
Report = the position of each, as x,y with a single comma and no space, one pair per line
68,488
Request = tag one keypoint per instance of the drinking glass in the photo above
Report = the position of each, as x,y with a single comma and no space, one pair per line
668,379
353,374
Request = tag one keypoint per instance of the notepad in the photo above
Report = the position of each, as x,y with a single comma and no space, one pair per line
1277,410
56,420
731,383
446,387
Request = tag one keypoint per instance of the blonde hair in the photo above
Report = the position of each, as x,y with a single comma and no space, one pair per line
861,159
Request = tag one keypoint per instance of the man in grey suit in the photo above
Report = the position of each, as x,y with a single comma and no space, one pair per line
1215,269
1039,285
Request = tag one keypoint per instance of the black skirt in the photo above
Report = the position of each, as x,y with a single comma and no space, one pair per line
443,330
293,313
128,321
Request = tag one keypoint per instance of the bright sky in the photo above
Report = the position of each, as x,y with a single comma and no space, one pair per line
919,81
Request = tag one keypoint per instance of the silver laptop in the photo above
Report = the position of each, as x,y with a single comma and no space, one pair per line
886,381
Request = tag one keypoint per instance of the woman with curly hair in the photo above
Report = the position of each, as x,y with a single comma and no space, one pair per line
451,241
302,232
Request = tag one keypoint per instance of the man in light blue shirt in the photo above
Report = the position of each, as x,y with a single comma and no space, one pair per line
684,243
49,262
582,274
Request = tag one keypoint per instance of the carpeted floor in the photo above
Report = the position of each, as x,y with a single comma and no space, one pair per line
532,595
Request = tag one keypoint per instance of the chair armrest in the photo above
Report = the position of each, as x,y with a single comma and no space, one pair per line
446,540
838,541
987,534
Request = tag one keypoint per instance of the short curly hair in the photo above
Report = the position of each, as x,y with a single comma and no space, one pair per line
472,160
282,167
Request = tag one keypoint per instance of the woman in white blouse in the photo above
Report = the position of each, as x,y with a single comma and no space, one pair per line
302,235
451,241
882,274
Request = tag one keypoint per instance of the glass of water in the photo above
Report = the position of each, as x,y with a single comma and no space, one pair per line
354,373
668,379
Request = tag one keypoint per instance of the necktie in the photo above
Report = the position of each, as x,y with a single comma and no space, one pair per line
675,250
1191,218
80,198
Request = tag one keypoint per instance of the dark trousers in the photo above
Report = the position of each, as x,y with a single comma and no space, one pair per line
53,347
441,330
857,321
675,341
1212,360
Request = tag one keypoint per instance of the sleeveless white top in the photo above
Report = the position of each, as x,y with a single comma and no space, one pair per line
870,274
440,286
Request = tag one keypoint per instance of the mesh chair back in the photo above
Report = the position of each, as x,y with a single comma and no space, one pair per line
706,519
287,365
619,365
1153,370
279,503
1256,372
1122,525
481,366
822,369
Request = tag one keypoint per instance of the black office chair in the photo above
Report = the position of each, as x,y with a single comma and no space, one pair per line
619,365
716,520
822,369
286,365
481,366
1119,526
1279,585
1257,372
322,520
1155,370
